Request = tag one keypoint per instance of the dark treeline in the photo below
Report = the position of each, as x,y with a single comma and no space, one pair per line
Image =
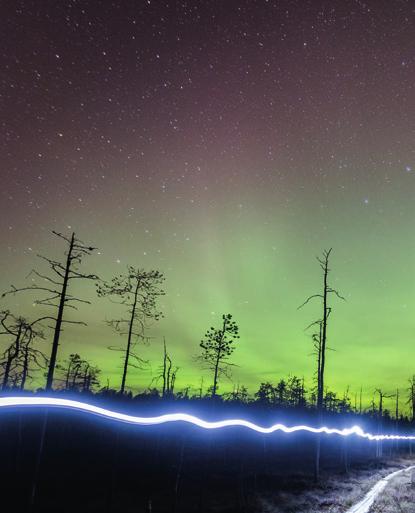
178,467
33,349
26,355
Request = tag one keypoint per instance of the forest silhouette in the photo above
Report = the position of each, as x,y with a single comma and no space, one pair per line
35,444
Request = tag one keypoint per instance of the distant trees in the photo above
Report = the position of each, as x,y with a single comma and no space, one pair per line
240,394
266,393
169,373
56,290
287,393
217,346
138,291
78,374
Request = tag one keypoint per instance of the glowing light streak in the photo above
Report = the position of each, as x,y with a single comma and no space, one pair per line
184,417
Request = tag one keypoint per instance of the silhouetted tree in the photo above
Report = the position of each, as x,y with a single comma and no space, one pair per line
20,353
90,377
138,291
281,391
56,290
295,392
78,374
380,413
240,394
411,397
9,357
287,393
320,341
266,393
30,357
169,373
217,347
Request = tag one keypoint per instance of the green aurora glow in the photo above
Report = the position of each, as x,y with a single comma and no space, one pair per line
227,158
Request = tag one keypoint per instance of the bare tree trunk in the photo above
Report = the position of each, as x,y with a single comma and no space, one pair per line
11,355
35,481
322,363
397,419
215,376
113,473
164,367
59,318
130,334
379,444
25,369
7,368
317,458
323,334
345,456
178,476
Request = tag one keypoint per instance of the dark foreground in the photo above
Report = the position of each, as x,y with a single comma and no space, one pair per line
93,465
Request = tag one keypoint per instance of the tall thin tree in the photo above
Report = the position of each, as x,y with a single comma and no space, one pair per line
320,340
138,290
168,373
411,397
382,397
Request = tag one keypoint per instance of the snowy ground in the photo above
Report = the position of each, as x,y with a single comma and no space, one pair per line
337,493
398,496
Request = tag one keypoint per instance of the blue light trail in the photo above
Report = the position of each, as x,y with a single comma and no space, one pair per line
9,402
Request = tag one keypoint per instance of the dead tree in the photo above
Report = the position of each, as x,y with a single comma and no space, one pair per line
30,356
138,291
397,418
411,402
397,405
90,378
217,347
57,296
15,329
168,374
57,293
382,397
20,353
411,397
320,340
73,364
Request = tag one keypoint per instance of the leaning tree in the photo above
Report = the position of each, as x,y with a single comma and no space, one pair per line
56,289
138,291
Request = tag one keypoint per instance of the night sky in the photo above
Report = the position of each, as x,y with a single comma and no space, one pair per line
226,143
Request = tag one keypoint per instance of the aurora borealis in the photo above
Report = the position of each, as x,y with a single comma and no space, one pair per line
225,144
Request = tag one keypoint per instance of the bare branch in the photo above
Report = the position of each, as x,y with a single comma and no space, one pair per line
309,299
